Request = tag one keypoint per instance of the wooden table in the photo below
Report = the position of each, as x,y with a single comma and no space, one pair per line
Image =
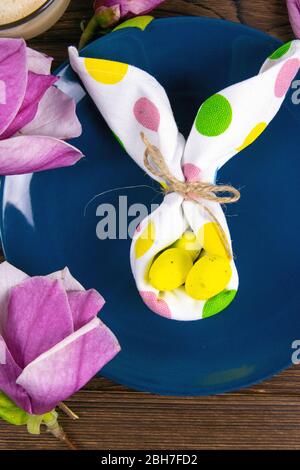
266,416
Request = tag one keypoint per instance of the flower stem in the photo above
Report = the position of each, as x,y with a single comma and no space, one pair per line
59,433
67,411
54,428
88,32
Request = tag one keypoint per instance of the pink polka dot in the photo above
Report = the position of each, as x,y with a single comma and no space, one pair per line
158,306
191,172
147,114
285,76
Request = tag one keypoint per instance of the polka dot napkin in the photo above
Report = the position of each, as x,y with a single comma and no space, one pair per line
225,124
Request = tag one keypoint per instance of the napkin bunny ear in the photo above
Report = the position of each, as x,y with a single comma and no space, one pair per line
233,118
132,101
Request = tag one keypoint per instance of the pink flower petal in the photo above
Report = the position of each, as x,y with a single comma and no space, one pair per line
85,305
9,277
9,372
141,7
13,71
26,154
37,85
2,92
129,7
39,317
55,117
69,282
38,62
64,369
294,15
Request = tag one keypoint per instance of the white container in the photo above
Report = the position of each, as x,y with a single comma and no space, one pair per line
36,17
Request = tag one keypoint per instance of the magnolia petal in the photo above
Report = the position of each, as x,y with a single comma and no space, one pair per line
26,154
85,305
38,62
2,92
55,117
129,7
139,7
69,282
13,71
37,85
9,277
64,369
9,372
39,317
294,15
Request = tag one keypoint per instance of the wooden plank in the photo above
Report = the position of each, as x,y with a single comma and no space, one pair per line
112,417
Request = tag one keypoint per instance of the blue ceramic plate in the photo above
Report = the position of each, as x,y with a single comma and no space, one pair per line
44,225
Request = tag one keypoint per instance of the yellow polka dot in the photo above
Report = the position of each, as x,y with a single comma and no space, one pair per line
106,71
145,240
140,22
252,136
209,237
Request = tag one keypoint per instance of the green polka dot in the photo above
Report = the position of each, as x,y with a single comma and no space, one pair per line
140,22
118,140
217,303
280,51
214,116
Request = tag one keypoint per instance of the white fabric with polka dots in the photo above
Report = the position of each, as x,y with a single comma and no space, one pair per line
132,101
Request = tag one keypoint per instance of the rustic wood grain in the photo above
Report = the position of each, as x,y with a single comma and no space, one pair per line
266,416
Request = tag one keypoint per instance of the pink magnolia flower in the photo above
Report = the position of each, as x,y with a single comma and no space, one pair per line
294,15
109,12
34,115
51,340
125,8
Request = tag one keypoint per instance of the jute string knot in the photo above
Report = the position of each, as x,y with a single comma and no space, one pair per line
197,191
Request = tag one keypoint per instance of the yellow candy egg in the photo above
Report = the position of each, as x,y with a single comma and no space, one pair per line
209,276
189,242
170,269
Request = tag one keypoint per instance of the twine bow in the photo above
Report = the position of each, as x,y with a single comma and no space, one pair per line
190,189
